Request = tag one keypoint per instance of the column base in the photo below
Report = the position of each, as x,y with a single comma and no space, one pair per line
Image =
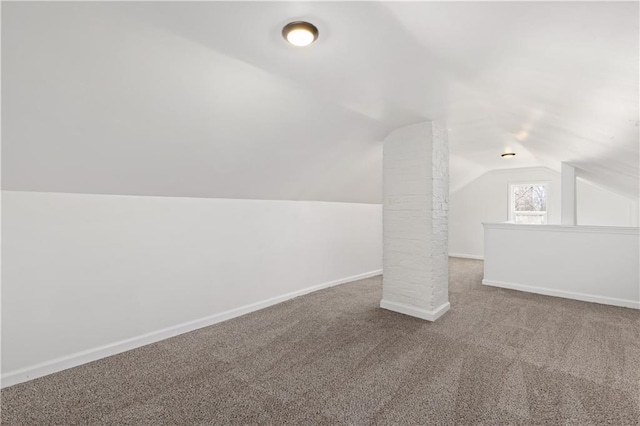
414,311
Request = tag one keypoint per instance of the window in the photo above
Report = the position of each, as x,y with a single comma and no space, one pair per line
528,203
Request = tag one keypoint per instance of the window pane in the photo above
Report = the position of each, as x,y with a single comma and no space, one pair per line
529,219
530,198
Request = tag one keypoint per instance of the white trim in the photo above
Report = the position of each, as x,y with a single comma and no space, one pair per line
565,294
563,228
55,365
414,311
466,256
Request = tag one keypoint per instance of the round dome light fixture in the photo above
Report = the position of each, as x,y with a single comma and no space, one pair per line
300,33
508,154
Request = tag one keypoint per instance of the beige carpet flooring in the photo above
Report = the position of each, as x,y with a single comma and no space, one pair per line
334,357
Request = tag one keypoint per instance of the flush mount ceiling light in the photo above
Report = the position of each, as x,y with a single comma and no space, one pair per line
508,154
300,33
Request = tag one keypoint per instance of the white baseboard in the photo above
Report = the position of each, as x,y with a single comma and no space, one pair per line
63,363
466,256
415,312
565,294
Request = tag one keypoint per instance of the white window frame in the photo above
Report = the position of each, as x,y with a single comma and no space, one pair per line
511,212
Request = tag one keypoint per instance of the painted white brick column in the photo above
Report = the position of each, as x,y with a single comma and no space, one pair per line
415,241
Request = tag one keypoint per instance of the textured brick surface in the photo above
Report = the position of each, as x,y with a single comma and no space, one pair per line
416,199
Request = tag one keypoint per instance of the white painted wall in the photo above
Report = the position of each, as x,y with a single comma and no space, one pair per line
84,271
486,199
596,264
599,206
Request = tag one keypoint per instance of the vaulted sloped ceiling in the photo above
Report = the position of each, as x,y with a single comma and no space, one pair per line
207,99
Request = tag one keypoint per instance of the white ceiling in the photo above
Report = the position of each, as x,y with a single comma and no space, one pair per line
207,99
